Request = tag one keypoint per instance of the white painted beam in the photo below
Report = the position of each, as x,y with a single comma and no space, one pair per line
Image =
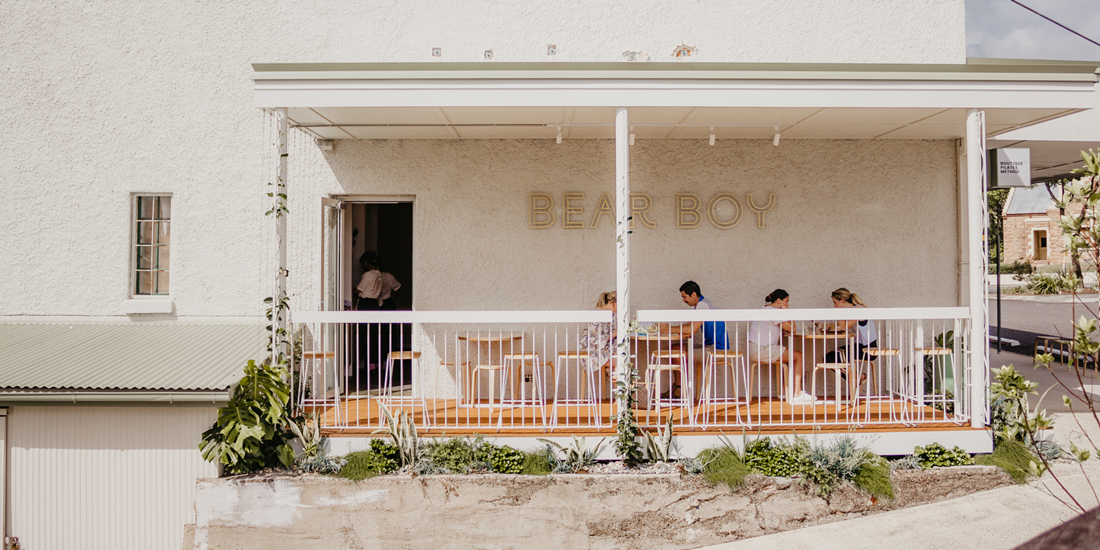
977,222
622,241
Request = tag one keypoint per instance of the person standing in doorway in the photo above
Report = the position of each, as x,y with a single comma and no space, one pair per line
375,293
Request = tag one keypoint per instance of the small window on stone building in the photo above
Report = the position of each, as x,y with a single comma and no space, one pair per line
152,239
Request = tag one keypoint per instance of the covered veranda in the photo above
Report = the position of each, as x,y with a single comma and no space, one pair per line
847,107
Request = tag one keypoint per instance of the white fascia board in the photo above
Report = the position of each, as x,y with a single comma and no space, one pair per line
63,397
675,93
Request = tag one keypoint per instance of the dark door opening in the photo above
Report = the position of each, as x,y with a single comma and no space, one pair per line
386,230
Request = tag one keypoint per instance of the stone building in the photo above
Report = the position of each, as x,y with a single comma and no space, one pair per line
1031,232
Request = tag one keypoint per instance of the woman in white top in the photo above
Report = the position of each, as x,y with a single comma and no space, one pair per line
766,346
866,336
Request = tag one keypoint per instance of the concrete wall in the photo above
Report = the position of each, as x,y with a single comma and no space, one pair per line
663,512
105,99
878,217
103,478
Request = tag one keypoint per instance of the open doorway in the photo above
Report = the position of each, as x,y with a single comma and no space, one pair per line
382,232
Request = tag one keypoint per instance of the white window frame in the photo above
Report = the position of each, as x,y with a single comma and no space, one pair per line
132,293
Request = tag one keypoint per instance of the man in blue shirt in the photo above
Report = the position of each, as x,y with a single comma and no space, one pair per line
714,332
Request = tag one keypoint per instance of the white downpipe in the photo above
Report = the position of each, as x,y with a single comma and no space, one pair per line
622,239
280,232
978,254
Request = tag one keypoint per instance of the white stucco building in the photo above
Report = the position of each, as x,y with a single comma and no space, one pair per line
472,145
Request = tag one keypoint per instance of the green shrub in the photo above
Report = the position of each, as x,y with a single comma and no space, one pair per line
1014,268
538,463
782,459
907,462
506,460
455,455
935,455
874,477
1010,456
380,459
724,466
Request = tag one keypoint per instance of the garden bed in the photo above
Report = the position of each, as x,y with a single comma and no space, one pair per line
664,511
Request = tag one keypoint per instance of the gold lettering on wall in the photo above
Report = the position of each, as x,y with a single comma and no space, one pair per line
712,211
761,210
639,210
541,211
687,211
570,208
604,208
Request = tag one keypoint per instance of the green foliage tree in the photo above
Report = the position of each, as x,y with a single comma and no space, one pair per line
252,431
995,200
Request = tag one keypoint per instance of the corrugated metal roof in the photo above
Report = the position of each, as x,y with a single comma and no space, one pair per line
1029,200
130,356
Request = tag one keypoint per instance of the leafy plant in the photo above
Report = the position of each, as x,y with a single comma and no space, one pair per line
308,433
380,459
506,460
402,432
573,458
322,464
933,455
776,459
840,459
626,426
661,448
1010,456
252,430
456,455
1021,267
907,462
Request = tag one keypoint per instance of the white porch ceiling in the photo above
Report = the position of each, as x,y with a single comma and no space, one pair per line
654,122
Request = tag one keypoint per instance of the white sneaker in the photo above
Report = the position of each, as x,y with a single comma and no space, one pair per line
802,398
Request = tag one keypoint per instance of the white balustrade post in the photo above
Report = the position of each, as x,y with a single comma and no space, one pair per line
277,204
976,229
622,242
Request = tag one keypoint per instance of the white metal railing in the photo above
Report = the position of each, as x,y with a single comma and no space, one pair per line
541,371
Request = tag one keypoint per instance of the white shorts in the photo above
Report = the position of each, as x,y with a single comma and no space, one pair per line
765,353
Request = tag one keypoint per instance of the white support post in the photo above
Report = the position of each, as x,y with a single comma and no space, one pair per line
279,212
622,240
977,227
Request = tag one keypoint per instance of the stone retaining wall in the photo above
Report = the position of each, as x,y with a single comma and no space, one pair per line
562,511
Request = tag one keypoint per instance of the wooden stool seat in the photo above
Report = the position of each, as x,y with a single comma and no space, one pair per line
403,355
881,352
935,351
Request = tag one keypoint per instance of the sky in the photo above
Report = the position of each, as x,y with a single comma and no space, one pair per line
1000,28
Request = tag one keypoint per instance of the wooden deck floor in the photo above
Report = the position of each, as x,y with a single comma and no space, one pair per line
358,417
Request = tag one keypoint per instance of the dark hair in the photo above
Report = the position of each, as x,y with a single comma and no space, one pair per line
777,294
369,258
691,287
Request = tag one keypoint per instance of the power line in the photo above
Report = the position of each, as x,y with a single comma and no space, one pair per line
1055,22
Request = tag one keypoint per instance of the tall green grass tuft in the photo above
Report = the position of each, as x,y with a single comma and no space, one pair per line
1010,456
538,463
724,466
874,477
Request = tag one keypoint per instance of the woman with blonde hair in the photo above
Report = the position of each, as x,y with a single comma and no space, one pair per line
598,340
866,336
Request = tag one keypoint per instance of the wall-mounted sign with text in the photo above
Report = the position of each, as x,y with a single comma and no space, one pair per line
723,210
1009,167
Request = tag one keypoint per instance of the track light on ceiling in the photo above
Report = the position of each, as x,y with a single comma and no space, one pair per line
775,138
630,140
712,135
559,134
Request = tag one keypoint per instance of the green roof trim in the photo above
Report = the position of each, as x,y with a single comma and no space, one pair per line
975,69
125,357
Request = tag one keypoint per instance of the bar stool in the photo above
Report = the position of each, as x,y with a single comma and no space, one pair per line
473,380
514,366
736,369
665,361
387,397
729,359
873,374
838,369
759,366
589,394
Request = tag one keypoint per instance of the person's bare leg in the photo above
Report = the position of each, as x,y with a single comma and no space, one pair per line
798,370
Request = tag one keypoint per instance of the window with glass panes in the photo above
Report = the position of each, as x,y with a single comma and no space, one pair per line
153,238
